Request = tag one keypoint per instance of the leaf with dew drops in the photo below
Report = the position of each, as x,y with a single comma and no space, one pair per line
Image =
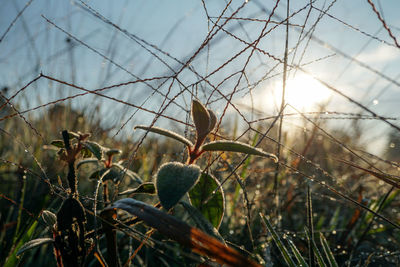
166,133
201,119
213,120
174,180
95,148
34,243
234,146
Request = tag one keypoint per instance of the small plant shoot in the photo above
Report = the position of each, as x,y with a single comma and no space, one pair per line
205,121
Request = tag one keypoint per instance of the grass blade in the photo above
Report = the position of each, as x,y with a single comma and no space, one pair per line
328,252
297,254
310,225
315,249
278,242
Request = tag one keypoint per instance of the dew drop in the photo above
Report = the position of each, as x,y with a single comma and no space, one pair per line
375,102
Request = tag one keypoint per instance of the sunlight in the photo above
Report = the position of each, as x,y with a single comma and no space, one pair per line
303,92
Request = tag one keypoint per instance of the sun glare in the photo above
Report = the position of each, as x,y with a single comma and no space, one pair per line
303,92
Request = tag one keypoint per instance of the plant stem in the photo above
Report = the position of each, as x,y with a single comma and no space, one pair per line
72,181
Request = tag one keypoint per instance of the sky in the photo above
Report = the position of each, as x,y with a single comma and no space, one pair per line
347,48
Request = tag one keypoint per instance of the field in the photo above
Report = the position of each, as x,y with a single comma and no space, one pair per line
199,133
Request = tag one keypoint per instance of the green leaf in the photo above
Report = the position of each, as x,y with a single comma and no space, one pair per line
317,253
213,210
234,146
12,260
146,188
85,161
166,133
49,218
213,120
297,254
86,153
128,173
201,119
201,222
114,174
174,180
96,175
328,252
58,143
112,152
34,243
95,148
107,174
278,242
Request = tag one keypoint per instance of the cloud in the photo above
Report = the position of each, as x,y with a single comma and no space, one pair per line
382,54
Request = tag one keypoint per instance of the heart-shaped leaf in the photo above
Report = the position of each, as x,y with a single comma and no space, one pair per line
95,148
234,146
213,210
146,188
174,180
201,119
166,133
34,243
